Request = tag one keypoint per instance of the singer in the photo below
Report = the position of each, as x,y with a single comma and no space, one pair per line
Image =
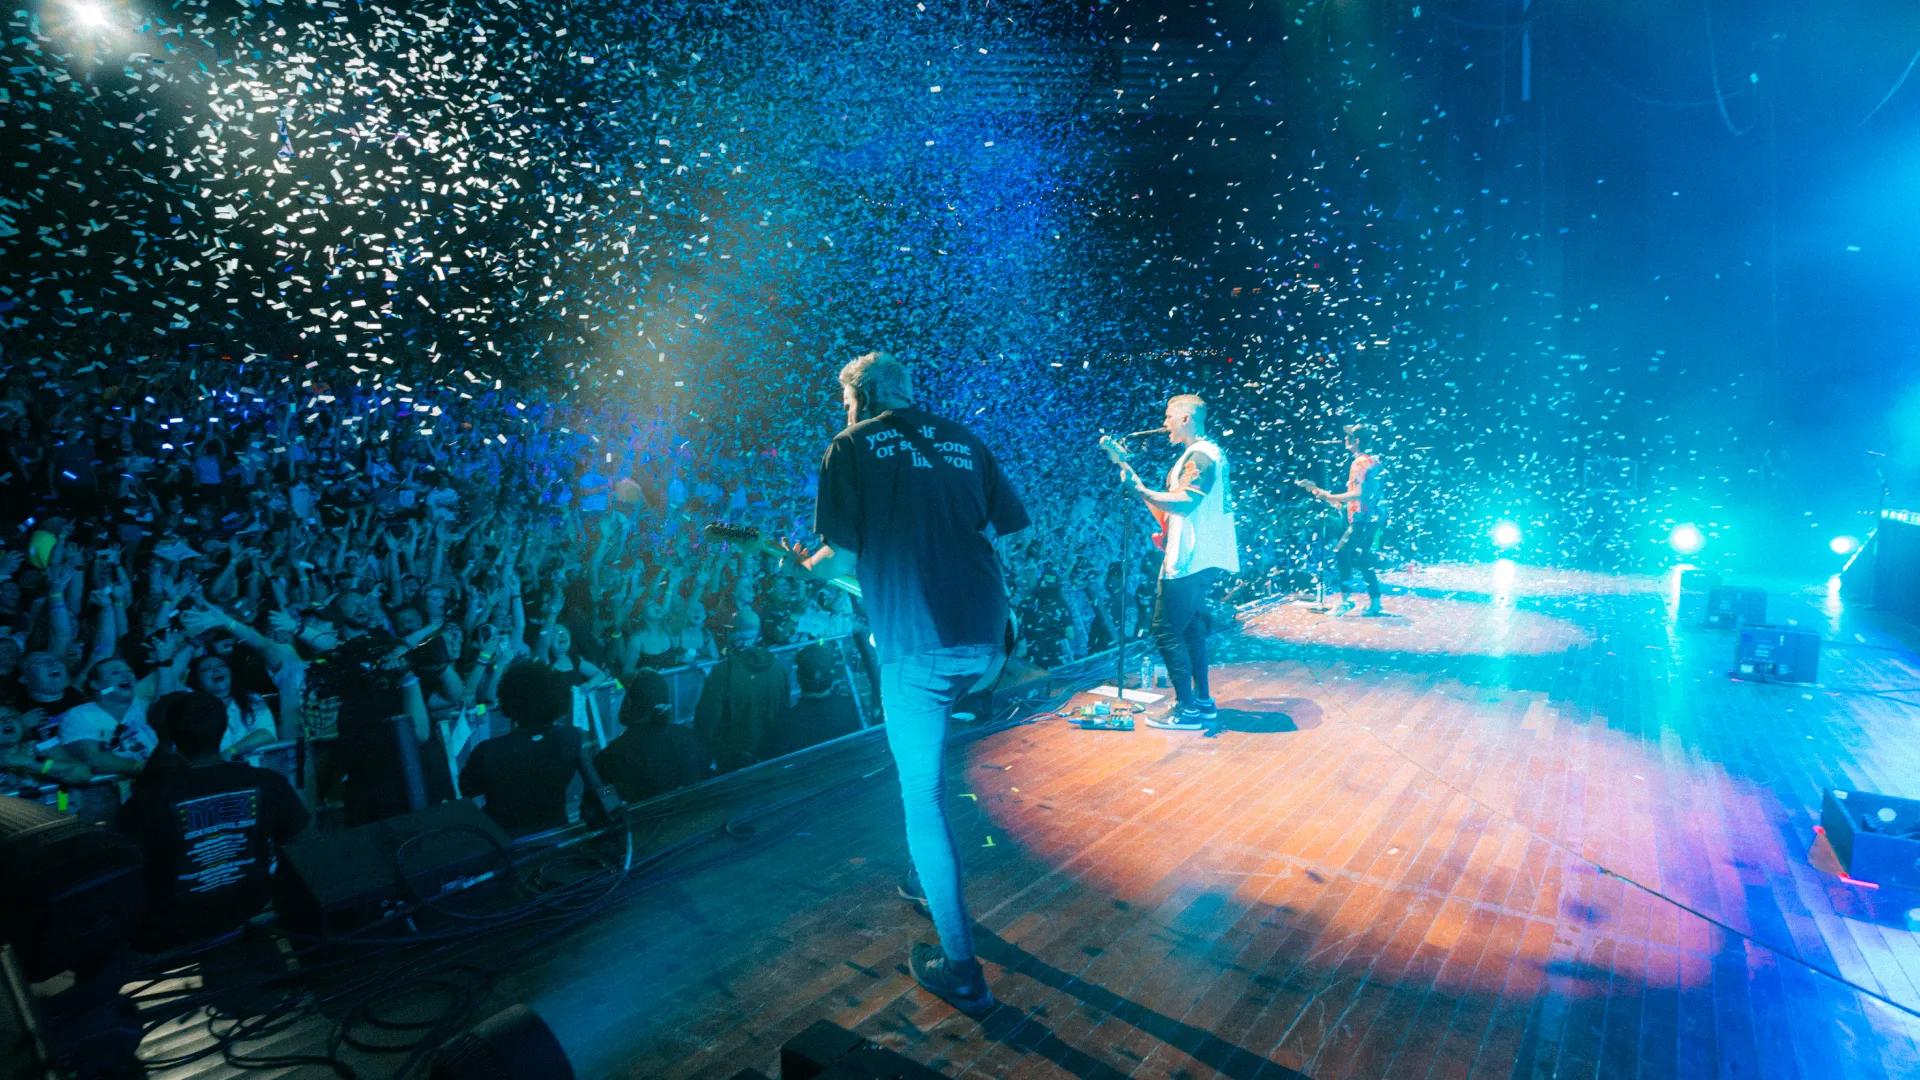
1196,510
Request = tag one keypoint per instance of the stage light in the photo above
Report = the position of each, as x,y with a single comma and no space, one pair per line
1686,539
1843,545
90,14
1505,535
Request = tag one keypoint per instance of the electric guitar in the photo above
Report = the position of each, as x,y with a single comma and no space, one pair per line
1118,453
747,538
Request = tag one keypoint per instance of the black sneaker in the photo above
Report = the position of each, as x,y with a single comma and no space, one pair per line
1202,709
1375,611
964,988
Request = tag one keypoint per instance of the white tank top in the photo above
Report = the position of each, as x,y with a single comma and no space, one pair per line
1204,537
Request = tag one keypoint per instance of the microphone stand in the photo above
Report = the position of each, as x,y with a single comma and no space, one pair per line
1319,554
1872,597
1123,589
1121,595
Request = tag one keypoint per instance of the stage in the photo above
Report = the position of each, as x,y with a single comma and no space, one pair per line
1525,826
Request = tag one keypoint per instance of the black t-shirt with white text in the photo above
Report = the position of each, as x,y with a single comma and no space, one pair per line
208,832
929,575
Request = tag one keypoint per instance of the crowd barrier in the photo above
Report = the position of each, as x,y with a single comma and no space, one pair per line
100,799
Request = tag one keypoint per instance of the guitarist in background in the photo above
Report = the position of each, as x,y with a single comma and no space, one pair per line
1366,506
1196,515
910,502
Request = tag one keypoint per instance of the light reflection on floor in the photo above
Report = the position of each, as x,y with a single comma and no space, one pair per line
1524,580
1484,609
1522,869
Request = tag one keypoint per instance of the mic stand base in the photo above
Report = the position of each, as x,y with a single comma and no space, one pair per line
1320,605
1138,697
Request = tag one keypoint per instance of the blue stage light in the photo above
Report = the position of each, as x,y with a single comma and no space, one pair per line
1505,535
1844,545
1686,539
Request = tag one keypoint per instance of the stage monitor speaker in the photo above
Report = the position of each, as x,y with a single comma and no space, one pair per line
1777,654
1694,586
1733,605
345,879
1876,837
827,1051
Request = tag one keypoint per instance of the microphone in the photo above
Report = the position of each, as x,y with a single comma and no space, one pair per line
1149,431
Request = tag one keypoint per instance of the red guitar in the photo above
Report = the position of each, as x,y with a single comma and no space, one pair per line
1119,454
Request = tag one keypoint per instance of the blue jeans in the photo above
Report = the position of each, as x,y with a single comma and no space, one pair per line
917,694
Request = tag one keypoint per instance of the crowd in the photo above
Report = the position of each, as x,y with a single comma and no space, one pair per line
364,567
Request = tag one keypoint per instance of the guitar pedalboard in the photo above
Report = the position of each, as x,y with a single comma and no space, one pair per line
1102,716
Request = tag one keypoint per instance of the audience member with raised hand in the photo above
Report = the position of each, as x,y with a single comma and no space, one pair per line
110,733
25,758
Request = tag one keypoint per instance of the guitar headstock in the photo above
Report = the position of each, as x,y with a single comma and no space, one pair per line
1116,450
738,535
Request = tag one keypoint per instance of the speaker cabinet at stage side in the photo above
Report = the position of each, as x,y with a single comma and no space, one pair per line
1777,654
1876,837
340,880
1735,605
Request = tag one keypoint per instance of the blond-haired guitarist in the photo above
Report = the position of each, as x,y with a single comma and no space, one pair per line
1196,513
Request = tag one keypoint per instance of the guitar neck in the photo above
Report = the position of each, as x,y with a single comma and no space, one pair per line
767,547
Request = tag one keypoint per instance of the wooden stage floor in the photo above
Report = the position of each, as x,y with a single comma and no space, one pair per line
1524,827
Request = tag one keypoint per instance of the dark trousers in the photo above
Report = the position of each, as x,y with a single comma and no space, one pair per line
1180,628
1355,552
